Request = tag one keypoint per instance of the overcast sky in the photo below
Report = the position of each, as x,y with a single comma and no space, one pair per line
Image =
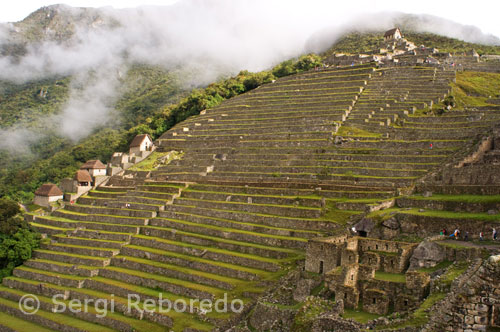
483,14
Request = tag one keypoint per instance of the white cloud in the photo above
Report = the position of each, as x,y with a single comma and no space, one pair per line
213,37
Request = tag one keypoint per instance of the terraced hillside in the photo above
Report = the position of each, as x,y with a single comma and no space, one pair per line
261,174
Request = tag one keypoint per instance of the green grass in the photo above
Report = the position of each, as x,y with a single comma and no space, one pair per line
63,319
473,89
392,277
353,131
420,316
18,324
152,161
460,198
359,315
452,215
454,272
439,266
336,215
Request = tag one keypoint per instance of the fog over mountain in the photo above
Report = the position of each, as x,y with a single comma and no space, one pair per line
209,38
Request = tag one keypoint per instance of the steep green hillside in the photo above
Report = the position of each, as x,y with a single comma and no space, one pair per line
145,91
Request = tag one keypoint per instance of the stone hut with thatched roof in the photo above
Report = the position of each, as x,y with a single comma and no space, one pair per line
47,194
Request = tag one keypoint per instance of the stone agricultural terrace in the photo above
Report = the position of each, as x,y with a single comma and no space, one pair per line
337,174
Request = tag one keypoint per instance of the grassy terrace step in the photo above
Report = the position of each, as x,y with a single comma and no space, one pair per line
461,189
181,320
102,235
250,136
437,214
19,325
175,286
455,203
99,218
147,201
47,229
218,242
121,212
96,226
282,210
151,186
150,194
311,183
48,276
216,195
333,149
114,188
52,320
36,287
270,220
299,126
195,263
111,319
175,271
252,265
391,277
382,175
346,191
105,194
254,227
319,164
231,233
106,243
80,250
60,267
327,156
119,202
70,258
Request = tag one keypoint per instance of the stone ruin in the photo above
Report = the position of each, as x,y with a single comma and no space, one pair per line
350,265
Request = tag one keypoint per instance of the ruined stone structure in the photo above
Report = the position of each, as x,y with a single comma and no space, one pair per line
351,266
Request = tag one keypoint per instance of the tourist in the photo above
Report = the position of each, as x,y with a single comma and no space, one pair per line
494,235
481,236
466,237
430,146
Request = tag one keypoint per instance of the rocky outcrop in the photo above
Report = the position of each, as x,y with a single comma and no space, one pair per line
473,304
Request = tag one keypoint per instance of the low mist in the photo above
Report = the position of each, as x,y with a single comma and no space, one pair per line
212,38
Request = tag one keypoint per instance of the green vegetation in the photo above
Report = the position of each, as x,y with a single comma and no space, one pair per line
359,315
442,265
352,131
359,42
420,316
17,240
447,44
392,277
311,309
156,159
473,89
460,198
452,215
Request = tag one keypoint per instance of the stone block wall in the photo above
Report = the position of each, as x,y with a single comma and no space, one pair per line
323,255
473,303
375,301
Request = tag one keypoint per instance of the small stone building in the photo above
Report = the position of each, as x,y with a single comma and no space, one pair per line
393,34
94,167
353,267
47,194
141,143
83,178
